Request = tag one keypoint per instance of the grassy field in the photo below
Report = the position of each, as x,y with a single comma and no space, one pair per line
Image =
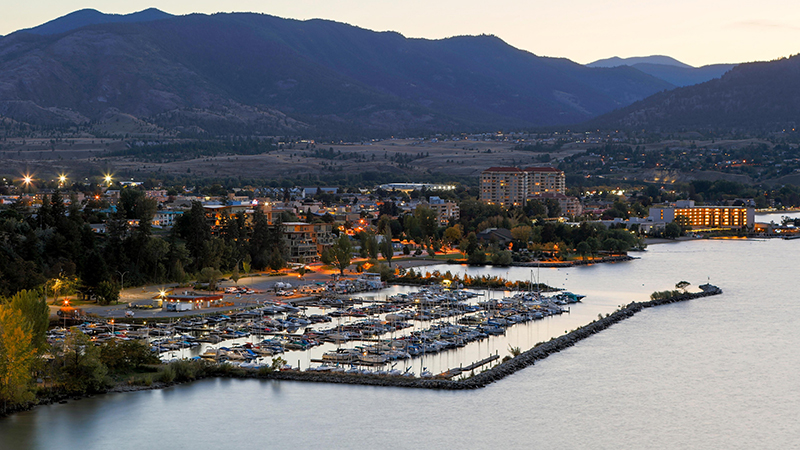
88,157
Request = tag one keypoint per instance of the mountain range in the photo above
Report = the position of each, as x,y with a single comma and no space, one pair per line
763,96
668,69
244,73
239,72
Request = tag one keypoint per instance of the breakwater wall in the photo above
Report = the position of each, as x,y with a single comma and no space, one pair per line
482,379
498,372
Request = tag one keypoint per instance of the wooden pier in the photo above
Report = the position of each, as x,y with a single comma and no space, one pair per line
459,370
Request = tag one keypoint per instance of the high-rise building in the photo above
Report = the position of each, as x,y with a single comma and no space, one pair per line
504,186
511,186
544,180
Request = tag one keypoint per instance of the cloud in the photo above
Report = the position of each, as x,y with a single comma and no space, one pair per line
760,24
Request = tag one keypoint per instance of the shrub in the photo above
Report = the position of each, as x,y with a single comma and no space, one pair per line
167,374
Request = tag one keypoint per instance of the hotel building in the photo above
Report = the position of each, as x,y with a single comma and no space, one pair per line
705,217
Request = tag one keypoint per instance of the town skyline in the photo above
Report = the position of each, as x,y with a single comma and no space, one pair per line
696,33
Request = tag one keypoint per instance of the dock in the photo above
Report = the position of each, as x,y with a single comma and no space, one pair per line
459,370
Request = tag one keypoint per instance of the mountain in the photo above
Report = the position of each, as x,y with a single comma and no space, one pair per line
85,17
667,68
681,76
616,61
242,72
761,96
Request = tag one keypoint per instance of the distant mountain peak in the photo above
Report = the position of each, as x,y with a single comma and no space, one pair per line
616,61
88,16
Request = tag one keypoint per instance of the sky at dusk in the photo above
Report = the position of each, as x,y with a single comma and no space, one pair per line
696,32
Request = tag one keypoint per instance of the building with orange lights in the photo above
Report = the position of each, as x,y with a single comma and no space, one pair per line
512,186
306,241
705,217
504,186
445,210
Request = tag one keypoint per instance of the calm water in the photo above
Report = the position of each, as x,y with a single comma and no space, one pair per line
720,372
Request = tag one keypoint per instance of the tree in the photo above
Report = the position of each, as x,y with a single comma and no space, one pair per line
209,275
81,368
341,253
195,230
246,264
583,249
553,208
36,313
124,356
427,219
412,227
476,256
502,258
535,208
386,247
107,292
594,245
95,270
325,257
682,285
522,233
17,357
672,230
453,234
369,245
235,275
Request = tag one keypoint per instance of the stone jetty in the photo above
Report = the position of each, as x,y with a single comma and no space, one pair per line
528,358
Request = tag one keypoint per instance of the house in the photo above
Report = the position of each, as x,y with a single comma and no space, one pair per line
500,235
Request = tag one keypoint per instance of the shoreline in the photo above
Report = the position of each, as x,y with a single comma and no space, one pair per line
508,367
572,263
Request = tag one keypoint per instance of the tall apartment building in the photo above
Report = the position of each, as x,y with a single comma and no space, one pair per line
511,186
504,186
545,180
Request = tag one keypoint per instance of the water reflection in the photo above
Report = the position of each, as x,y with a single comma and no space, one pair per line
711,373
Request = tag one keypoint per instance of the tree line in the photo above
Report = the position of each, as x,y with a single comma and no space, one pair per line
54,249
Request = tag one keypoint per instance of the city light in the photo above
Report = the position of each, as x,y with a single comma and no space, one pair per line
108,178
27,179
62,178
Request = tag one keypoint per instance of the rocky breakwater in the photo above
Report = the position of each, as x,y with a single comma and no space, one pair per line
545,349
510,366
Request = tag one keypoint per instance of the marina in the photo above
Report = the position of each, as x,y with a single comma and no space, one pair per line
395,332
697,374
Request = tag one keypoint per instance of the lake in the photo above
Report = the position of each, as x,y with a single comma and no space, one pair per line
716,372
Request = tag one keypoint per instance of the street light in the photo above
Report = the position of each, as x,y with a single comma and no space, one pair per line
66,303
108,178
62,179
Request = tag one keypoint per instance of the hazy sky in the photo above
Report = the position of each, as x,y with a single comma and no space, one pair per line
696,32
